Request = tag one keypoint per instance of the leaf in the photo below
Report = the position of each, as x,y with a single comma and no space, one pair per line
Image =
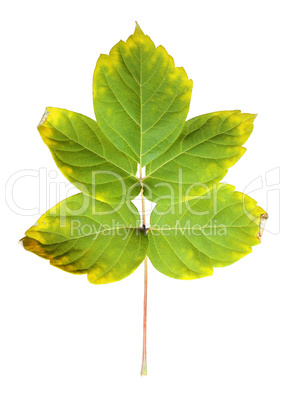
81,235
207,147
140,99
215,230
87,158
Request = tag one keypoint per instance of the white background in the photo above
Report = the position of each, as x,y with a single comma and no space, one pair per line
215,339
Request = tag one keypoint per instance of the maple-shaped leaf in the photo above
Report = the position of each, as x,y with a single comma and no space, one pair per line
141,102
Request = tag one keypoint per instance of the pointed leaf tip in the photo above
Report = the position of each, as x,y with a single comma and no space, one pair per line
263,219
44,117
138,28
21,242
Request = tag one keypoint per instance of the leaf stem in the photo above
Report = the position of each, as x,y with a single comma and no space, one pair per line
144,360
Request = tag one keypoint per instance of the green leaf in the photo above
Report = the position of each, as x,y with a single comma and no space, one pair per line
207,147
82,235
140,99
87,158
187,240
